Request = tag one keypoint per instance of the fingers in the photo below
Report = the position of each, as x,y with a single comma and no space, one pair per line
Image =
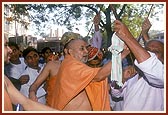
97,19
118,26
146,25
24,79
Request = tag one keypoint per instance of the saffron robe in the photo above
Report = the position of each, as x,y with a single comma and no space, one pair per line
75,76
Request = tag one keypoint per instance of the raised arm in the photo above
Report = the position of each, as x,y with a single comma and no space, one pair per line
123,33
39,81
145,29
97,37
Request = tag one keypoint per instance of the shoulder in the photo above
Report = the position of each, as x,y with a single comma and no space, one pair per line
53,63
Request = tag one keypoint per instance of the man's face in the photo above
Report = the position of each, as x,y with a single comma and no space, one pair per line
94,63
47,54
79,51
7,52
32,59
15,54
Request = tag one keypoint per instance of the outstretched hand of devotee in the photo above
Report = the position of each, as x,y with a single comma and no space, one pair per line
121,30
146,25
97,19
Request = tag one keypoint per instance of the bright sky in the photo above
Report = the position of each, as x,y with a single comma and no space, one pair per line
156,25
159,24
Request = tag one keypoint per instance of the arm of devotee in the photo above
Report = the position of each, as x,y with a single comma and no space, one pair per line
154,73
123,33
38,82
145,29
105,71
17,98
97,37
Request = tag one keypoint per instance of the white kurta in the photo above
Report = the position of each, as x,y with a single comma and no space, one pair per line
32,77
15,70
138,94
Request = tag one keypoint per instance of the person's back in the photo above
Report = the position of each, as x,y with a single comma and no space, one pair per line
54,67
48,74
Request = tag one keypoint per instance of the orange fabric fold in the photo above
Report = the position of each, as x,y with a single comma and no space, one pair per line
98,95
72,78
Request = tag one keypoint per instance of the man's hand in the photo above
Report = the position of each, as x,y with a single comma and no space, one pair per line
146,26
32,96
145,29
24,79
122,31
97,19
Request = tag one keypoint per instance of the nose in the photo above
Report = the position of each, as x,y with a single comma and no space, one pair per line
9,49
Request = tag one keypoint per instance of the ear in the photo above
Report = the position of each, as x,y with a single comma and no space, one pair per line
70,51
66,51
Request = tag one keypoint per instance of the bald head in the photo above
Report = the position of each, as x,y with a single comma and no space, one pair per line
156,47
77,48
74,42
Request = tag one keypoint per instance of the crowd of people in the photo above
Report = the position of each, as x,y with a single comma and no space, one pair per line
80,81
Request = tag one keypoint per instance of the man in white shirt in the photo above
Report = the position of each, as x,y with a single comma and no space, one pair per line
145,90
16,66
32,71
